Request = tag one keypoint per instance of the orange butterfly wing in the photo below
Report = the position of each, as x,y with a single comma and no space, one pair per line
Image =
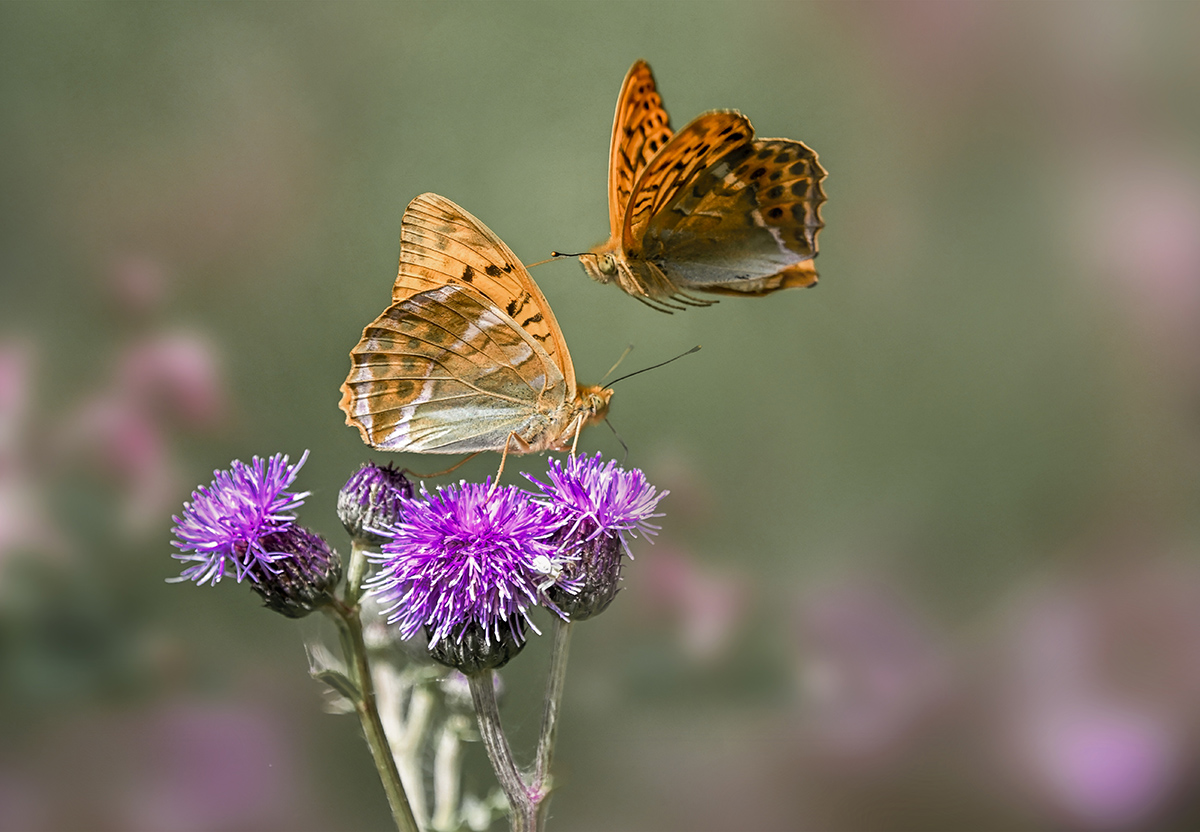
746,225
700,144
713,210
641,127
441,243
469,351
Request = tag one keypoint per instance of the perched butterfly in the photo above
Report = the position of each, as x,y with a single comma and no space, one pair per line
709,209
468,357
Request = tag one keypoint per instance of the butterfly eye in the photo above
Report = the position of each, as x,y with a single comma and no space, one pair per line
608,265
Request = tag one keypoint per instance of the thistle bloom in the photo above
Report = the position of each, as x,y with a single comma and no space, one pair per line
226,522
598,499
466,564
597,505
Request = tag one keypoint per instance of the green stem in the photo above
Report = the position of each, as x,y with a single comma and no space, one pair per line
555,683
523,816
350,628
355,572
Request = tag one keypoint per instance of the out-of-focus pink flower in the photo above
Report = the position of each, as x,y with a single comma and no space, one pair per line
124,430
706,606
24,522
181,767
871,670
1098,698
1105,765
1139,228
138,283
203,768
178,373
125,442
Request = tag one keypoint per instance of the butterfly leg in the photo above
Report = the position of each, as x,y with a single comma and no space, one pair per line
503,459
578,430
684,297
520,446
656,307
449,470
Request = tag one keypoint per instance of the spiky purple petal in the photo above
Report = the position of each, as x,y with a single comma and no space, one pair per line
225,522
467,555
597,498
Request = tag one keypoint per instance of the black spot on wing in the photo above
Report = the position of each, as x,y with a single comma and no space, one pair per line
468,274
492,270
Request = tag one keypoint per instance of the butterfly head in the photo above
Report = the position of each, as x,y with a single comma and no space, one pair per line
600,264
593,401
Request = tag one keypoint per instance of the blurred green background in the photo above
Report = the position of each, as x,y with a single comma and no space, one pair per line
930,560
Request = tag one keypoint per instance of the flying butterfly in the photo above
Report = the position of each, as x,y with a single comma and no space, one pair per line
707,209
468,357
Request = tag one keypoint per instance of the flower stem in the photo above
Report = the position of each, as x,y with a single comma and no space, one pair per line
523,816
350,628
355,572
555,683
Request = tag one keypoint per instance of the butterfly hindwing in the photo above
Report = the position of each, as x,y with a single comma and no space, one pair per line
641,128
745,225
445,371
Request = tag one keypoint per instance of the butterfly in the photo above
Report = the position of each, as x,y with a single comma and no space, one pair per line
708,209
468,357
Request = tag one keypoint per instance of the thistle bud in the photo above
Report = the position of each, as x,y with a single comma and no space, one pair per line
302,575
371,501
597,575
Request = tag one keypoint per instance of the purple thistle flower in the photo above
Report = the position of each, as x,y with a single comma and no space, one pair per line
464,563
596,504
598,499
226,521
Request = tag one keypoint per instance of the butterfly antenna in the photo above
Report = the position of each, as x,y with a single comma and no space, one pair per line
619,439
655,366
449,470
613,368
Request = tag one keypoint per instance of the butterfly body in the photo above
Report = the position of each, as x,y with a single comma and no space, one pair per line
708,209
468,357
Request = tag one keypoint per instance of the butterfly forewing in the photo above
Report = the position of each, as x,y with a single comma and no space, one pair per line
641,128
701,143
444,371
441,244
